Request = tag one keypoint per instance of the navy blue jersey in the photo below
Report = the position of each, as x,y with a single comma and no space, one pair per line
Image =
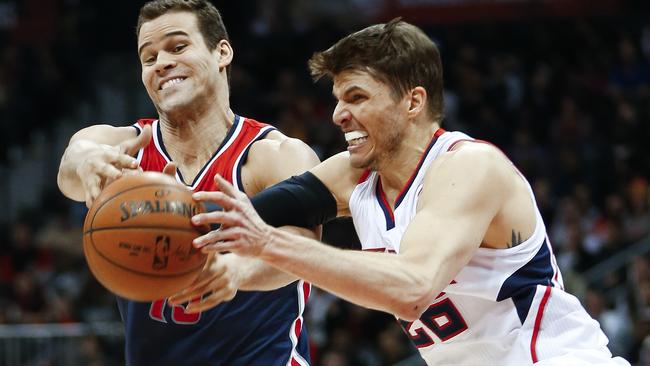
254,328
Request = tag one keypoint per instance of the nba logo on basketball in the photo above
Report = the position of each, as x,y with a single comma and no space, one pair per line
161,256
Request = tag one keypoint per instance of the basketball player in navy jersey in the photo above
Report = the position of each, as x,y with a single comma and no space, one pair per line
185,55
454,244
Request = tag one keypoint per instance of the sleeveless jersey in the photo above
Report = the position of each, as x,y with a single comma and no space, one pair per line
254,328
505,307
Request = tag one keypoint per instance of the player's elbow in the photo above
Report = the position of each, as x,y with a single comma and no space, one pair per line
411,306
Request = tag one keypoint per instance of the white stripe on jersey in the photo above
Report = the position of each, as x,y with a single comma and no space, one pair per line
295,356
236,168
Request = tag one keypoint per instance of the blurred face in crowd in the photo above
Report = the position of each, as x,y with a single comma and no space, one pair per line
178,69
370,116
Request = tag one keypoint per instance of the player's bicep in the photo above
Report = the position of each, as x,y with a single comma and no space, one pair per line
340,178
460,198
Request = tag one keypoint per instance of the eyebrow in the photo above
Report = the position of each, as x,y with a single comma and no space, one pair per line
167,35
348,91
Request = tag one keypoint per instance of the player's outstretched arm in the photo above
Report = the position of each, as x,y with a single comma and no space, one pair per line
457,205
96,155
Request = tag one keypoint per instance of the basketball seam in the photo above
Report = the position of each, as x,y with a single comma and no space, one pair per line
90,231
92,242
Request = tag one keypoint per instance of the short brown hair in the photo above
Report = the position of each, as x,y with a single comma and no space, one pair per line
396,53
208,18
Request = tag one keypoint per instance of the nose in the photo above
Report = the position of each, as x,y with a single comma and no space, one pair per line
164,62
341,114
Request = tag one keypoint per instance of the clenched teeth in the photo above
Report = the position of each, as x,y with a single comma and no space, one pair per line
170,82
355,137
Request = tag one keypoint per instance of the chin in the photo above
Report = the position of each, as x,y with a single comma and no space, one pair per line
174,103
361,163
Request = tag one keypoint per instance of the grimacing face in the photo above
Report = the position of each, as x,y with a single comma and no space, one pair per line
371,119
178,70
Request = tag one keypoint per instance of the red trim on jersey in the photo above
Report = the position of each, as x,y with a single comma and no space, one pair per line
538,323
364,176
294,362
406,187
464,140
379,250
306,289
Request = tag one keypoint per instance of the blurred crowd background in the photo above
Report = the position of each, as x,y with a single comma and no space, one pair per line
562,87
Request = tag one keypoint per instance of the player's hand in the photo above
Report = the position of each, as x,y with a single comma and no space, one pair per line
104,163
242,230
216,283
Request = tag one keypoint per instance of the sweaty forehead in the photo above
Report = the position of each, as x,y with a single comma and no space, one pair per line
173,22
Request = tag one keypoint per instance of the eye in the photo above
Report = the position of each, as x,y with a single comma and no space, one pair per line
148,60
355,98
179,47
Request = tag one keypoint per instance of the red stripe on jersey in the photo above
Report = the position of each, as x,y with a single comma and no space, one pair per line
306,290
406,187
461,140
364,176
538,323
294,362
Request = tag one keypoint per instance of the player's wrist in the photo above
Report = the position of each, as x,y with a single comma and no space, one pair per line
272,240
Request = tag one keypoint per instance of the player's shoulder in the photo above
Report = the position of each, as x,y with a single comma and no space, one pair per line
472,154
274,158
276,145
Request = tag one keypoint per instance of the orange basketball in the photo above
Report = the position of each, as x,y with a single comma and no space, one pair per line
138,237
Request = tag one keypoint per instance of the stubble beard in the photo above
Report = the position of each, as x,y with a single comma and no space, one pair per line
389,144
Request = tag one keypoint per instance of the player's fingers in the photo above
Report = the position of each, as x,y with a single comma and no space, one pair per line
220,198
227,188
119,160
226,218
92,186
213,299
199,286
170,169
89,199
110,172
219,235
232,246
131,146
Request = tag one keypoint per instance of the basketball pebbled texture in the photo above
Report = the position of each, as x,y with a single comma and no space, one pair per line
138,237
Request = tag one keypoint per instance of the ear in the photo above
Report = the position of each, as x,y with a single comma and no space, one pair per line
224,52
417,101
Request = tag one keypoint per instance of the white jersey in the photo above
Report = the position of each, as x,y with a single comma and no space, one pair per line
505,307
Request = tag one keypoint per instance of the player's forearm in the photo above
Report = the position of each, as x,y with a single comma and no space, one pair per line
255,275
68,178
374,280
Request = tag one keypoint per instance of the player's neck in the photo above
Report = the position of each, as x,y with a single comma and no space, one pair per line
397,169
192,141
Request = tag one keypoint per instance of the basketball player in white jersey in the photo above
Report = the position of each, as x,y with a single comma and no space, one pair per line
454,244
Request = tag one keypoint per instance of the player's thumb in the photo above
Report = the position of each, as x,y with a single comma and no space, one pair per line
131,146
170,169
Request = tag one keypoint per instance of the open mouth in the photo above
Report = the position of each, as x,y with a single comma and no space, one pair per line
171,82
356,137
